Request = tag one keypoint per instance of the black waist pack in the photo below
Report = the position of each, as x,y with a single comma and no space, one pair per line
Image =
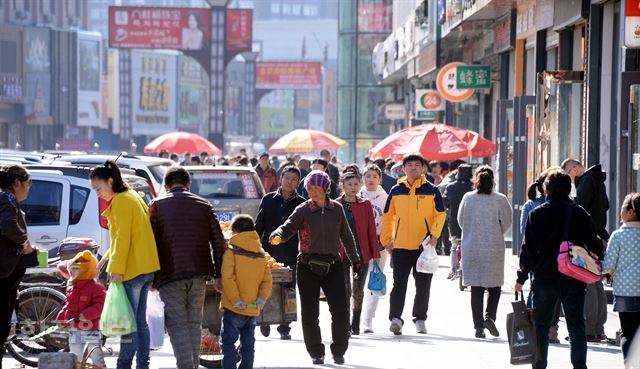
318,264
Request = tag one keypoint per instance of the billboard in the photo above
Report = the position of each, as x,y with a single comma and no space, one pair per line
276,113
159,28
153,86
89,80
239,30
193,97
282,75
37,71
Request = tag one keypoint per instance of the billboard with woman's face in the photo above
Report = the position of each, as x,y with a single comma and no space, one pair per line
159,28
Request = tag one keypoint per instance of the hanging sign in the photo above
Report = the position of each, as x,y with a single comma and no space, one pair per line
428,103
473,76
632,24
446,83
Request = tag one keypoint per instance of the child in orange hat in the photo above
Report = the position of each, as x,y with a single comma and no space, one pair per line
82,310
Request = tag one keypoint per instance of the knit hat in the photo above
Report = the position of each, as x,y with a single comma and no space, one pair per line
317,178
82,267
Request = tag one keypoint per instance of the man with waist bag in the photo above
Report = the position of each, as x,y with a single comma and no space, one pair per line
322,230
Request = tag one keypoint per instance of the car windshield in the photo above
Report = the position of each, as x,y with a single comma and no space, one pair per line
224,185
159,171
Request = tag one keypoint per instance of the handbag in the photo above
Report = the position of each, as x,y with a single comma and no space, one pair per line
428,260
377,279
575,261
521,333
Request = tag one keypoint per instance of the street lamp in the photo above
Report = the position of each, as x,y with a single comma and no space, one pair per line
96,147
134,147
18,146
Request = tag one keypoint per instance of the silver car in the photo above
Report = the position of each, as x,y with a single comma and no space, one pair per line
231,190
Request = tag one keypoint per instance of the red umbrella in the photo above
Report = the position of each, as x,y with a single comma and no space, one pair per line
180,142
434,141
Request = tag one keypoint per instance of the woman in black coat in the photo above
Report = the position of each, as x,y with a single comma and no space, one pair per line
14,187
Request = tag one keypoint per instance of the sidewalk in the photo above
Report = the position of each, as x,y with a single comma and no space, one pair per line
449,344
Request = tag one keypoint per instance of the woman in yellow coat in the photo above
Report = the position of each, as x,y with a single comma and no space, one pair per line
132,255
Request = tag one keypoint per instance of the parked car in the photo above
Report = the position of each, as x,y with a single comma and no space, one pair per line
231,190
62,204
150,168
25,157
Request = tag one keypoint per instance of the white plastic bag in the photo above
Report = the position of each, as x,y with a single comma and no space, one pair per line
155,319
428,260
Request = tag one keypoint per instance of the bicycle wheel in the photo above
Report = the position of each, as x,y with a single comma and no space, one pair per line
211,352
36,311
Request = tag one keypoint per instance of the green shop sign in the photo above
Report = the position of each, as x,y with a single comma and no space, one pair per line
473,76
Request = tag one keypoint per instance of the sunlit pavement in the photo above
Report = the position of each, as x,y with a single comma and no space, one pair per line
450,342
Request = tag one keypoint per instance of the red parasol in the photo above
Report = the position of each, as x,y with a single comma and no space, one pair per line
180,142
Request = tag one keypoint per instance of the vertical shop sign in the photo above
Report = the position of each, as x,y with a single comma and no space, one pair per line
89,80
37,63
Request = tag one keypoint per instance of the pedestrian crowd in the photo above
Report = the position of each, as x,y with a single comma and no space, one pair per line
334,228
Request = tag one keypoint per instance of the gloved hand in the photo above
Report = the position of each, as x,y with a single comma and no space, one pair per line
240,305
260,303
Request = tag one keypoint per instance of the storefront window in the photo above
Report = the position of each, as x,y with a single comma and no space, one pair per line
366,43
467,114
370,113
346,96
347,63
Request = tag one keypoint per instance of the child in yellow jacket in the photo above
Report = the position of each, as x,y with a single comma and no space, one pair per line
246,285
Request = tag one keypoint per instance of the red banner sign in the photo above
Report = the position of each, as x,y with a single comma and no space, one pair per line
239,29
159,28
288,75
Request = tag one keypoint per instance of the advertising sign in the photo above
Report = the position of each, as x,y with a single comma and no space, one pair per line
395,111
154,79
446,83
473,76
239,30
159,28
193,97
89,80
288,75
428,103
37,71
632,24
276,113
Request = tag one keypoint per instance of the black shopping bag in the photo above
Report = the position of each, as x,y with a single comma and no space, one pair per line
521,332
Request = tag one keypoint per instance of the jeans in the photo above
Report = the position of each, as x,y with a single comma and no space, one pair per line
333,285
629,322
477,303
9,291
183,303
236,326
371,299
81,340
137,343
404,262
571,294
595,309
455,250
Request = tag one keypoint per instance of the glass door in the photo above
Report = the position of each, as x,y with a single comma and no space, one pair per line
506,130
560,130
629,148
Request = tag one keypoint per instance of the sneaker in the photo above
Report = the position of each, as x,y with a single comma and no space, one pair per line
554,340
451,274
396,326
318,360
480,333
338,359
368,326
421,327
491,326
603,337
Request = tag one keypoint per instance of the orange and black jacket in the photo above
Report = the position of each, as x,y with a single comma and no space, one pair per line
412,213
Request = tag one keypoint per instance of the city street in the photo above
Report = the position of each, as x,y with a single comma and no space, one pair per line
449,344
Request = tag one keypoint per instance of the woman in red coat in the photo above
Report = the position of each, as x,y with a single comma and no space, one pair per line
359,213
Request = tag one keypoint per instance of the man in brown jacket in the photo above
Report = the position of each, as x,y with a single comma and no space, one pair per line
190,246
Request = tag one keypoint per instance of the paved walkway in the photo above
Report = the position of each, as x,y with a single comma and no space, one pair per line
450,343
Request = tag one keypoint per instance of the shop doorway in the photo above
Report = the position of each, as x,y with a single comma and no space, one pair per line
629,150
560,130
